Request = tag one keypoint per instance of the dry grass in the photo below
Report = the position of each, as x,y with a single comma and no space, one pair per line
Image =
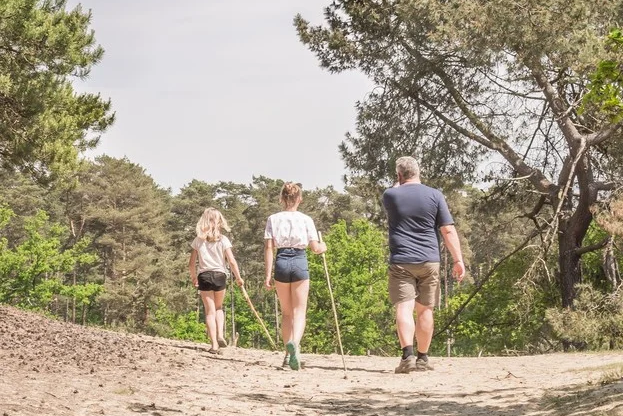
612,376
601,397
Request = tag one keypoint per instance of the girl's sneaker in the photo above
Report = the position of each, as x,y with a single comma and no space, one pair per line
286,361
293,350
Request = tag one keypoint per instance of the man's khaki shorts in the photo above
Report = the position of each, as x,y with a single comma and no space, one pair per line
414,281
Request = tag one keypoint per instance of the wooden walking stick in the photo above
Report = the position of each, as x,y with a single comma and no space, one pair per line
248,299
337,326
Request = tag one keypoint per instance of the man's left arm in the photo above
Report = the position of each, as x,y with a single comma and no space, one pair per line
451,240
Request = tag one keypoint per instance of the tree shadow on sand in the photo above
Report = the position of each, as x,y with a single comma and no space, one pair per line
596,399
377,402
341,368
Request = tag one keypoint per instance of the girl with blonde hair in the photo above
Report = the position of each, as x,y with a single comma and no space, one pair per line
213,251
291,232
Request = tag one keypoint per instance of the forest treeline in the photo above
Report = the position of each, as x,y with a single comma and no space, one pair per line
524,96
111,248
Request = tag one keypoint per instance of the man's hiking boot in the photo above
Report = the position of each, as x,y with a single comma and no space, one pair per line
406,366
222,343
423,365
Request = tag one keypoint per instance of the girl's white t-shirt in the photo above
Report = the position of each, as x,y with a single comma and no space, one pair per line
211,254
290,229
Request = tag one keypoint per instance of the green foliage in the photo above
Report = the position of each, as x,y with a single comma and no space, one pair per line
83,293
24,196
48,290
605,89
500,318
595,263
595,323
5,216
31,274
44,123
357,265
184,326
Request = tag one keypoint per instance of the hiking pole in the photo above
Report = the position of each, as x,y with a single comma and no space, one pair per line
248,299
234,338
337,326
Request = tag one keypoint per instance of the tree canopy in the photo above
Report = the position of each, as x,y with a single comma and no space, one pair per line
458,82
44,122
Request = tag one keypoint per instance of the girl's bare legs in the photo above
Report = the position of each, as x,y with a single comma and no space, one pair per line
220,315
215,318
285,302
299,291
293,301
207,296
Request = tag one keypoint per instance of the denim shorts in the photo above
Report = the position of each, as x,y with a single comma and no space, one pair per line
291,265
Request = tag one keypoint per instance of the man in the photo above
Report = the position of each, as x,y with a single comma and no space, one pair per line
415,212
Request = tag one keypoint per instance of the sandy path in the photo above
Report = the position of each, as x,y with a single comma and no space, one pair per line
52,368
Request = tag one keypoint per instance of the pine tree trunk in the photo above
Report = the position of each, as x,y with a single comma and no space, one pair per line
575,219
569,264
570,273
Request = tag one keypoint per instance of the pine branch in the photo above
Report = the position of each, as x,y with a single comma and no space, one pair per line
593,247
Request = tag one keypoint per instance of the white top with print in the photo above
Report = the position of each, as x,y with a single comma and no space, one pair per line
290,229
211,254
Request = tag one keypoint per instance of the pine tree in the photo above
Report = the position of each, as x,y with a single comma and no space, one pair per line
125,212
44,123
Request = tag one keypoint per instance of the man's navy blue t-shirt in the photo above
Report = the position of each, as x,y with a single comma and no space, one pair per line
414,213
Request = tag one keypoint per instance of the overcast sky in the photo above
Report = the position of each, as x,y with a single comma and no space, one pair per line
220,90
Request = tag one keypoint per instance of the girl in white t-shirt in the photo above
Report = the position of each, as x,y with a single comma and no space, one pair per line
290,232
213,250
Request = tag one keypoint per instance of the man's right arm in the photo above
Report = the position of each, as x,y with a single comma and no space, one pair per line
451,240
